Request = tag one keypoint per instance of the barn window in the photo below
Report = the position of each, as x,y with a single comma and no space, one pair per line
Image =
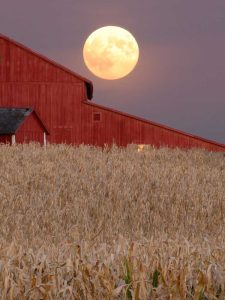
96,116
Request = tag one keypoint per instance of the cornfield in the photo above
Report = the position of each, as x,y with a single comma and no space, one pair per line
114,223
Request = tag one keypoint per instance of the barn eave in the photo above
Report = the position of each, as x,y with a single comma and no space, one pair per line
88,83
12,118
154,124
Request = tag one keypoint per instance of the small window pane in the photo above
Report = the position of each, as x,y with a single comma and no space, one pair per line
96,117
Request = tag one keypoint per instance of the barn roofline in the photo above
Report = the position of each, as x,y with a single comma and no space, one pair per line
154,124
30,110
41,122
88,83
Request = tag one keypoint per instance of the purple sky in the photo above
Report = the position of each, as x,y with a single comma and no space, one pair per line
180,77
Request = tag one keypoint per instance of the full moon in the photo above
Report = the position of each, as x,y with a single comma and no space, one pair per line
111,52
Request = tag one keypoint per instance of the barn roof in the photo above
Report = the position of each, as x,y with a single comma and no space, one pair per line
12,118
88,83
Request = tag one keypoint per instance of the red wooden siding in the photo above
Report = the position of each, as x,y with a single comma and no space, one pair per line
19,63
59,96
29,80
125,129
5,139
30,131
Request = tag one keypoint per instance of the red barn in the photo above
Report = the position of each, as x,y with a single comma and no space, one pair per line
61,100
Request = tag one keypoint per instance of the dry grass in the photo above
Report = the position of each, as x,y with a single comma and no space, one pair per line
82,223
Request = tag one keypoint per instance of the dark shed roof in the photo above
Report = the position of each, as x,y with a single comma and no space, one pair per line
12,118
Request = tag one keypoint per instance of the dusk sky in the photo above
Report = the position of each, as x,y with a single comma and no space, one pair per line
179,80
